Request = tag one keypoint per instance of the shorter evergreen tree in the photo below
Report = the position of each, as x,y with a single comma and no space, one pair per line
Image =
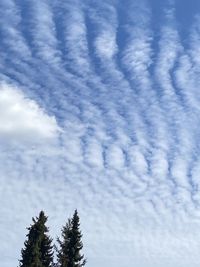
38,249
70,246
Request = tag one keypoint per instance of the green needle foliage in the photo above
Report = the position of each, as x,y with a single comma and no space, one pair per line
63,251
38,249
70,246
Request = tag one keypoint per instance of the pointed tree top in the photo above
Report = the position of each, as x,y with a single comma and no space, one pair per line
42,213
42,216
38,250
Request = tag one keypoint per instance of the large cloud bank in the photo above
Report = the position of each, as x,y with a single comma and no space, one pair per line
22,120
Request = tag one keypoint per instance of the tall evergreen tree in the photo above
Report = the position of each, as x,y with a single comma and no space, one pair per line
63,250
70,246
38,250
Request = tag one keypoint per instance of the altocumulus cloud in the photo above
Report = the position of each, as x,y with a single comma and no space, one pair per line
99,110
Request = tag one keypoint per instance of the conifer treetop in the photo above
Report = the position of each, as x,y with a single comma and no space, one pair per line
38,249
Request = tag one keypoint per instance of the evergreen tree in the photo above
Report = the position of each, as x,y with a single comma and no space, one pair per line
69,252
38,246
63,251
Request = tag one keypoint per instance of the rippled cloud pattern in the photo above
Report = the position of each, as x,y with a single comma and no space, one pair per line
102,101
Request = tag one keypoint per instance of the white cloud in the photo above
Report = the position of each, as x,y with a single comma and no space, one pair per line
125,159
106,44
22,120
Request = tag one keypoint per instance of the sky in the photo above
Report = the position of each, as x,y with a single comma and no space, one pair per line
100,111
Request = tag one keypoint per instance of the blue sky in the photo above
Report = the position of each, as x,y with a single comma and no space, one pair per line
100,111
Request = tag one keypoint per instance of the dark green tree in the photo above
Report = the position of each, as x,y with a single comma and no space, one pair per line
38,249
70,246
63,250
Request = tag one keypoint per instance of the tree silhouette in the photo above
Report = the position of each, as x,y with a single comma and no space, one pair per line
38,249
70,246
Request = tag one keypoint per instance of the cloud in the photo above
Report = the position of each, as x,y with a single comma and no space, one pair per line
106,45
125,92
22,120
